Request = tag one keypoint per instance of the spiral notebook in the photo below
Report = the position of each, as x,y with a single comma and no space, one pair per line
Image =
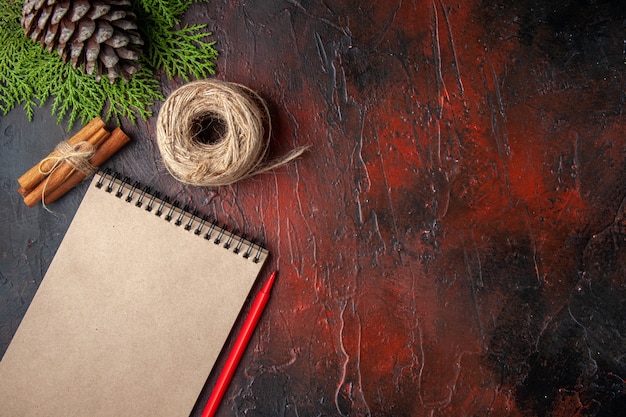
132,312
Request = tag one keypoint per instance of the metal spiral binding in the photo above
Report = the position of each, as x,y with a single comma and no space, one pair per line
119,186
144,191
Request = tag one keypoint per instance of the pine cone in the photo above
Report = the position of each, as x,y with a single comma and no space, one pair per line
95,36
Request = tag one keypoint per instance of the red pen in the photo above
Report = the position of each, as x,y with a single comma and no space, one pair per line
240,346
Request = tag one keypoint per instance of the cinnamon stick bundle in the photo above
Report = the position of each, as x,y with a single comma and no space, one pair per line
54,176
117,140
31,178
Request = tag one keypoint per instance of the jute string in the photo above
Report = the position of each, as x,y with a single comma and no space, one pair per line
239,154
77,156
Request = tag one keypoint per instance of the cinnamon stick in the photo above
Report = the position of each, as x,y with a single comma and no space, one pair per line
62,172
113,144
31,178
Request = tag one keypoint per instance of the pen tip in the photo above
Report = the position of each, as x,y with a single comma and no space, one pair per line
270,281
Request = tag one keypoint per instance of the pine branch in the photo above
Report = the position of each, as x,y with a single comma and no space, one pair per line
182,52
14,85
128,100
168,12
30,76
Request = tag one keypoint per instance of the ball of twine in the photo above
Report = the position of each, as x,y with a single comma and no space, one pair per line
238,154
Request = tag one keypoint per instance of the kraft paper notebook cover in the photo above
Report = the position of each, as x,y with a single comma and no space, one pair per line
132,312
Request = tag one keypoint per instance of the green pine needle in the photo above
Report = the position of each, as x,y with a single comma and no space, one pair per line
30,76
193,56
168,12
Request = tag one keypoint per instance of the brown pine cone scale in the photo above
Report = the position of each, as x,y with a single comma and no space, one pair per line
98,36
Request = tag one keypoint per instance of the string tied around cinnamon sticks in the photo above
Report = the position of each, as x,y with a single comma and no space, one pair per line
71,162
75,155
239,151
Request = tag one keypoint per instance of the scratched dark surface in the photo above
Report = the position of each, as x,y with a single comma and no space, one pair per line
454,242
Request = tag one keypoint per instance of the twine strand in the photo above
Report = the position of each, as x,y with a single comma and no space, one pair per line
239,154
76,156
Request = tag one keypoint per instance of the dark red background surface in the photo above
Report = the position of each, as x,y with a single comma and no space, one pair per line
454,241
